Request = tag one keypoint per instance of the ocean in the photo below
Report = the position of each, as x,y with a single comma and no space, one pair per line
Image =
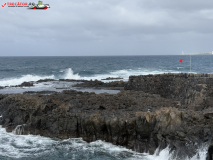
16,70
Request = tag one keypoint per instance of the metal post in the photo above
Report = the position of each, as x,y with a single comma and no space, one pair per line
190,64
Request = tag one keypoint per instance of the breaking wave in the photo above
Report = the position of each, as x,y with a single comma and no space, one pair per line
166,154
125,73
25,78
69,74
38,147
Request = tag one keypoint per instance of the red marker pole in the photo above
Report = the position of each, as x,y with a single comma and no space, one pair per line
181,60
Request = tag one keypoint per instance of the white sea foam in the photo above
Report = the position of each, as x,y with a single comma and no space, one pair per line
125,73
19,129
24,78
16,146
28,146
27,78
165,154
69,74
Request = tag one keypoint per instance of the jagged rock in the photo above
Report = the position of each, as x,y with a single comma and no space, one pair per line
134,119
26,84
193,90
76,114
45,80
39,92
112,78
100,84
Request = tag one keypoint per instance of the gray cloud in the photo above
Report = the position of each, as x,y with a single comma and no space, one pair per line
108,27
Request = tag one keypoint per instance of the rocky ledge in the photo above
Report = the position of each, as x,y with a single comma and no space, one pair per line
143,117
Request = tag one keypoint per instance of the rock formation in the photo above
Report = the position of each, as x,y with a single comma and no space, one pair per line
153,111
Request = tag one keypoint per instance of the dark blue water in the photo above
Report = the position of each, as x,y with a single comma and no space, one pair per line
34,68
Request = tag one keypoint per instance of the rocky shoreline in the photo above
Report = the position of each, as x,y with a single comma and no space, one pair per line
150,112
80,83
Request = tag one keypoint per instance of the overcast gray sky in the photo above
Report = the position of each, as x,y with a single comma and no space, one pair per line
107,27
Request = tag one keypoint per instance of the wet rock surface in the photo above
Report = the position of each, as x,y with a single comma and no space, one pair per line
100,84
195,90
112,78
51,85
39,92
113,118
143,117
116,85
24,84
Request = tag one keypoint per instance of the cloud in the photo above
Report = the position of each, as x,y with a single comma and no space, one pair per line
87,24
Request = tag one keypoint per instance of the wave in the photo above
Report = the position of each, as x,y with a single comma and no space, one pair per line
25,78
166,154
125,73
38,147
69,74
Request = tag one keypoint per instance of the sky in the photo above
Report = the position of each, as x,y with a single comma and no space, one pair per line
107,28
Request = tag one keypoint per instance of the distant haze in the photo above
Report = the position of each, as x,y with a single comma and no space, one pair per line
107,27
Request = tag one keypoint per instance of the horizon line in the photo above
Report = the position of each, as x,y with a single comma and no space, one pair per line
100,55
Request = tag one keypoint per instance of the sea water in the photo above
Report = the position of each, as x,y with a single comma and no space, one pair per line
15,70
26,147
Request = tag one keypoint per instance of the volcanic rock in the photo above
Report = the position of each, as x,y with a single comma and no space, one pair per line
152,112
